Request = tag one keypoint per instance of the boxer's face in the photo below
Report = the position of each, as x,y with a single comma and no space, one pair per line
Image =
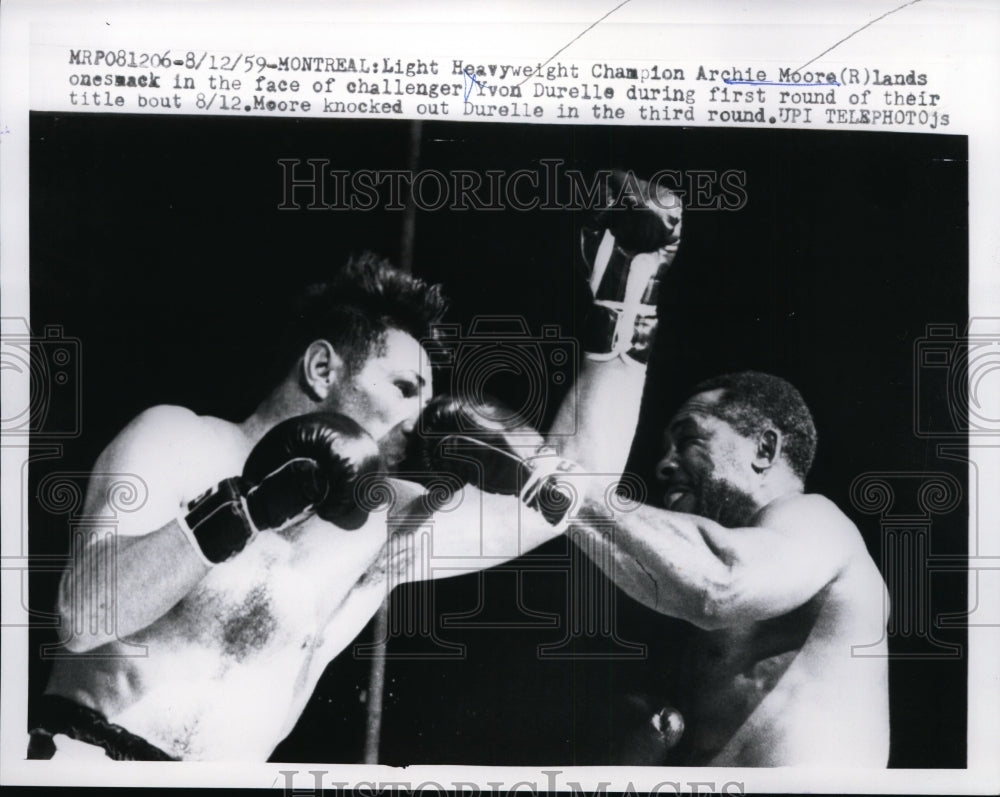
707,466
385,396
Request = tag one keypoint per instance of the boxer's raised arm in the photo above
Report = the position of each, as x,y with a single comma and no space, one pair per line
596,422
690,567
627,249
118,585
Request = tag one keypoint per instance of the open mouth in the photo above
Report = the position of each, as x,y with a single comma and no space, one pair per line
679,500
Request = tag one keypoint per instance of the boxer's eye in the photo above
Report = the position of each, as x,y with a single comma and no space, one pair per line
407,388
684,441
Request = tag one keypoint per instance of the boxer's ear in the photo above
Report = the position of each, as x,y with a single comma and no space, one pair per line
768,449
322,369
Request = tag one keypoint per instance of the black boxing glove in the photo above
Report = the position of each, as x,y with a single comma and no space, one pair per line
486,445
628,247
308,464
641,217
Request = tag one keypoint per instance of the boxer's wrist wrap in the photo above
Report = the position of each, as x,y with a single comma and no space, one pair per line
613,329
219,522
622,319
541,490
602,330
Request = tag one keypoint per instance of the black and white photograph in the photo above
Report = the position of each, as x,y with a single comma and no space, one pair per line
485,443
798,277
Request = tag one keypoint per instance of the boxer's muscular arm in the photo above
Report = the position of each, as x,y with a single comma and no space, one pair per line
690,567
596,422
476,530
122,584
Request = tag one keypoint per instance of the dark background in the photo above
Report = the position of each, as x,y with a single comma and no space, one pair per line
157,242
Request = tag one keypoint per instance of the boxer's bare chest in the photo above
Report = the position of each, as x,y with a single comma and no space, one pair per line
728,673
255,629
276,598
252,603
277,595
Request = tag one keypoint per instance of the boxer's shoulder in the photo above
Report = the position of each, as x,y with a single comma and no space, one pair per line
176,453
165,430
813,515
164,416
827,521
178,428
854,593
797,506
174,424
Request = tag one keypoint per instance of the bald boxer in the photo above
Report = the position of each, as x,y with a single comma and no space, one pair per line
200,630
776,582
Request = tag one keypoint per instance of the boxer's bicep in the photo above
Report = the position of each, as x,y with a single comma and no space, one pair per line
117,581
140,479
777,567
692,568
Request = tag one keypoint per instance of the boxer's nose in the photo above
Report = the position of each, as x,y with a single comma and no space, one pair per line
666,466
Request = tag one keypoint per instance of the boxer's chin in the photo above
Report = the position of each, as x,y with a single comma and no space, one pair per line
392,447
728,505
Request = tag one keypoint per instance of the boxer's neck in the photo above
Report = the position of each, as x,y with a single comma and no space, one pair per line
285,401
778,484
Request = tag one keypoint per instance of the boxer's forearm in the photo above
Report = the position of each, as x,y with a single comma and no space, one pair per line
659,558
118,586
627,251
596,422
475,531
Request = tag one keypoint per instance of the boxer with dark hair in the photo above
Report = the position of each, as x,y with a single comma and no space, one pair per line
777,583
201,626
749,401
